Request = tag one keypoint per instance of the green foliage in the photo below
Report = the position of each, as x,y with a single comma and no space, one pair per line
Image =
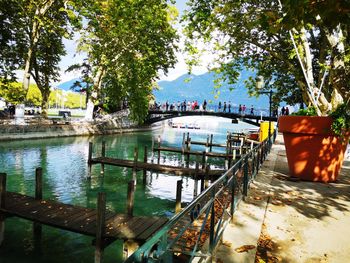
12,92
255,34
341,120
34,96
128,43
309,111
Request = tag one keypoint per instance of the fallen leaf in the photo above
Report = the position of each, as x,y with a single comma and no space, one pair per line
244,248
226,243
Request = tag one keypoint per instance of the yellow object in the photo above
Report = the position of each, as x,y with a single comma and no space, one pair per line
264,130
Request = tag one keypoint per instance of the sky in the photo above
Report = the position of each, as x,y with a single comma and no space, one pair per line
180,68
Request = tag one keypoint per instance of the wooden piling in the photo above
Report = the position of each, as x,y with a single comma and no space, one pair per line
2,204
130,198
204,163
100,226
183,145
158,149
89,159
136,157
178,196
144,178
195,187
103,154
2,189
206,178
188,151
37,227
211,143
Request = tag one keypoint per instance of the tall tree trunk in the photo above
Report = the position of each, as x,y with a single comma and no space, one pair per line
45,92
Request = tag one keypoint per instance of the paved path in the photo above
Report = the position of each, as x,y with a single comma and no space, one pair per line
295,221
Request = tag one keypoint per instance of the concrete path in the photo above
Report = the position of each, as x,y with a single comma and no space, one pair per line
286,221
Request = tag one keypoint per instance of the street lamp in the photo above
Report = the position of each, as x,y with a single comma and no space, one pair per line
259,86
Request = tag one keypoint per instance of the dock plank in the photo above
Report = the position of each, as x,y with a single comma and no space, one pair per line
80,219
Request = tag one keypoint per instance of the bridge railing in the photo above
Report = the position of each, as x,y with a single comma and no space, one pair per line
197,229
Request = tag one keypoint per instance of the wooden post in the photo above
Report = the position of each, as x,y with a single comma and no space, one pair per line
158,149
2,205
227,153
206,178
130,198
152,151
103,154
37,228
183,144
2,189
211,143
188,151
134,168
195,188
100,226
178,196
144,170
38,183
230,152
204,160
89,159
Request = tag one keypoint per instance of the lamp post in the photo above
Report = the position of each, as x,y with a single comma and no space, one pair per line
259,86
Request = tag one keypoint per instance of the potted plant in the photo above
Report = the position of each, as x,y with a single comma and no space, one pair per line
315,145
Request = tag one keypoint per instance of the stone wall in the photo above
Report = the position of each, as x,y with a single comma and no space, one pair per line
44,128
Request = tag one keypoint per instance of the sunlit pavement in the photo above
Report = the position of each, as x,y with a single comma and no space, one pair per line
295,221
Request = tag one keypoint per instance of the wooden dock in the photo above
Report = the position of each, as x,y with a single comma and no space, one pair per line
80,219
161,168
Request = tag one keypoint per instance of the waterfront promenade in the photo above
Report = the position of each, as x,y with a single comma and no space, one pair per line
286,221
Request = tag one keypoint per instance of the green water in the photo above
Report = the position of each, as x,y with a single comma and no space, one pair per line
64,163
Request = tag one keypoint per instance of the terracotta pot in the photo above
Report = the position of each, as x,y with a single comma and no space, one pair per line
313,152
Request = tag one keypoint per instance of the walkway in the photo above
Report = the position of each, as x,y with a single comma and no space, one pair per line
287,221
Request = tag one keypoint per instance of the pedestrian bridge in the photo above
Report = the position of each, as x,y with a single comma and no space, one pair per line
159,115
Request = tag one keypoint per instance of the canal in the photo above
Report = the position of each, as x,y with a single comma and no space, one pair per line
64,163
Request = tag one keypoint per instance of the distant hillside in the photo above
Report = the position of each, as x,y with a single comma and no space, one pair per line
68,84
201,87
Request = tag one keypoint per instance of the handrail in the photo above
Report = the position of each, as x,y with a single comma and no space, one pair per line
159,247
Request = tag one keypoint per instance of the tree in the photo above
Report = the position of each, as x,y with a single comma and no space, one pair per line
128,42
300,47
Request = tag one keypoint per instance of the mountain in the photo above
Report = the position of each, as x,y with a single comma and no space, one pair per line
201,87
68,84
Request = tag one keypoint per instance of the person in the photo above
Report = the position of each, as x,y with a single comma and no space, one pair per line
244,108
229,106
287,111
252,110
224,107
166,105
283,111
204,105
240,109
219,106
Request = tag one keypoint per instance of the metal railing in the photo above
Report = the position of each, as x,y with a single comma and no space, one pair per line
197,229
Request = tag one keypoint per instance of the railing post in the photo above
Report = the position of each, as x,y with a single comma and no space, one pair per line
144,181
233,194
130,198
245,177
103,154
178,196
100,226
212,222
183,145
188,151
204,164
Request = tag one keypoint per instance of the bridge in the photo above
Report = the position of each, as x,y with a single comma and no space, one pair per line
159,115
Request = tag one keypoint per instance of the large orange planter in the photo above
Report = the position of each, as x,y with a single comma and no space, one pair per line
313,152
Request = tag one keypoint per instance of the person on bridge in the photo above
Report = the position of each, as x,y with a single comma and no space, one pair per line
240,109
219,106
252,110
224,107
205,105
229,106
